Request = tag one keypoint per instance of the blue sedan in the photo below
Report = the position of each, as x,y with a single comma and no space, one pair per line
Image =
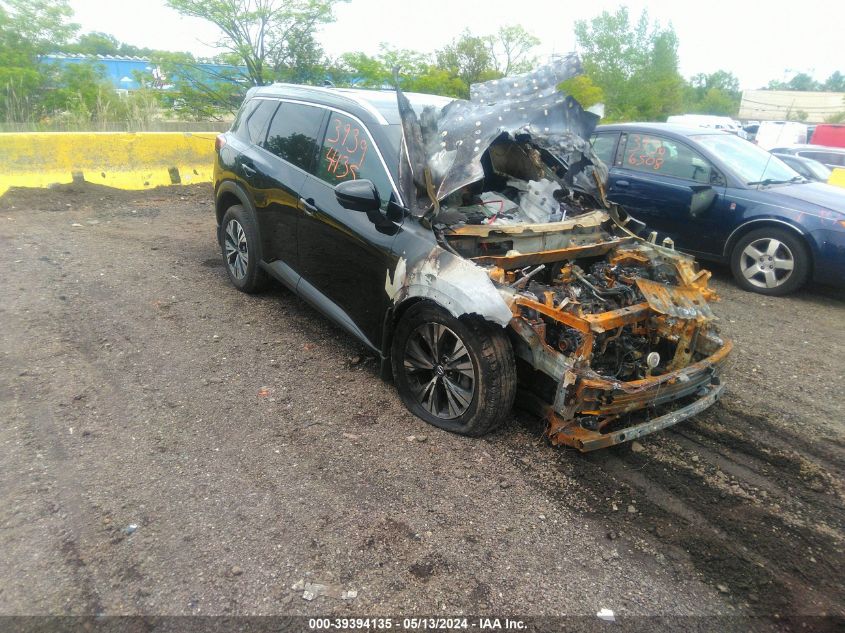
724,199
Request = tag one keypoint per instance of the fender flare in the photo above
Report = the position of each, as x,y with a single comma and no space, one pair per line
231,188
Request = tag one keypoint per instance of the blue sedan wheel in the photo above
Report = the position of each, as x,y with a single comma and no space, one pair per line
770,261
767,263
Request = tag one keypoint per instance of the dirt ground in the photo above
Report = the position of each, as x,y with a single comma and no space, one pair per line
172,446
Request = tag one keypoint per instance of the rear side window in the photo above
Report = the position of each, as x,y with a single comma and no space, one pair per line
256,124
603,146
293,133
348,154
239,125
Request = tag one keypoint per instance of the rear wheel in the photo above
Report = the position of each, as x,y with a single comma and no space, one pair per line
241,249
458,375
770,261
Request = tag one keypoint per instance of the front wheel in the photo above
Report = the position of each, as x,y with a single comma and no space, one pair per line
770,261
459,375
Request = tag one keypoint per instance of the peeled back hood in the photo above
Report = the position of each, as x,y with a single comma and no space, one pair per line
442,149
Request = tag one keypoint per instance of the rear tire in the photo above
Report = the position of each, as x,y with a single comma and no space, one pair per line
456,374
770,261
241,248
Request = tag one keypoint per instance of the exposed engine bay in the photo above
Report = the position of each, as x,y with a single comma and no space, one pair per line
608,328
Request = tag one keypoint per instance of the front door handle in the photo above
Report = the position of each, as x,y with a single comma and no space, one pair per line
307,206
622,183
249,171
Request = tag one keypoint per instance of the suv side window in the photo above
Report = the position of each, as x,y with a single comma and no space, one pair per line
348,154
293,133
256,123
658,155
603,146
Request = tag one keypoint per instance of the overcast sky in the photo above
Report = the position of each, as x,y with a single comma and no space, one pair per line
757,41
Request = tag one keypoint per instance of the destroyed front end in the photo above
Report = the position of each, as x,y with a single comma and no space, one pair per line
613,334
614,337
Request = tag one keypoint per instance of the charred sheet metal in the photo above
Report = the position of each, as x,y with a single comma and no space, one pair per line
453,282
443,148
676,301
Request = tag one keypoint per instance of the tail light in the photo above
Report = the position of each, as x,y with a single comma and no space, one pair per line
219,142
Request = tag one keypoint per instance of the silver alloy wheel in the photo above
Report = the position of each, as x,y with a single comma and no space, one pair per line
766,263
439,370
237,252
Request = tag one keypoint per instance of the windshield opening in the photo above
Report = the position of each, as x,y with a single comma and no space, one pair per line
749,162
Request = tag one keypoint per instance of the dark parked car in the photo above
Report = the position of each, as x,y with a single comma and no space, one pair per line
468,246
831,157
807,167
725,199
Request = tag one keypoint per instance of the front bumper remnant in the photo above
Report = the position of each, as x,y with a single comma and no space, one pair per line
573,434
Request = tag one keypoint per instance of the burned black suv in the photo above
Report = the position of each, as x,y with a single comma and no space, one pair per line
469,244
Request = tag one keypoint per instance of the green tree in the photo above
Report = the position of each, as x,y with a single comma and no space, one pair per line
469,59
417,73
43,24
802,82
510,49
28,30
95,44
635,64
197,93
835,83
583,90
714,93
271,38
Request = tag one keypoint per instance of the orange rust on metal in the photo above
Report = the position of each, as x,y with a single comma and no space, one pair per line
628,257
590,322
567,318
545,257
560,431
613,319
684,302
644,384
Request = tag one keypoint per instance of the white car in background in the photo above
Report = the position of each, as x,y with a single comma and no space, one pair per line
709,121
773,134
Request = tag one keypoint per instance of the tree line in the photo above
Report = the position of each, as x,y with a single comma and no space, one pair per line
631,64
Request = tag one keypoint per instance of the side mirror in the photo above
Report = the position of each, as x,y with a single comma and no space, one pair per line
358,195
702,199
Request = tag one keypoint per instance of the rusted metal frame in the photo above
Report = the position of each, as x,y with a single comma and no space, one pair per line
597,323
567,318
613,319
540,355
645,384
573,434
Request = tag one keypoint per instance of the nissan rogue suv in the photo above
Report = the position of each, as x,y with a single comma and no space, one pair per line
469,245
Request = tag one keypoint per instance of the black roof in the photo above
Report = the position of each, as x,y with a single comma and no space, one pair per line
378,105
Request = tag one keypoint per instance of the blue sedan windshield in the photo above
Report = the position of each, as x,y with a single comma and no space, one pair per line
751,163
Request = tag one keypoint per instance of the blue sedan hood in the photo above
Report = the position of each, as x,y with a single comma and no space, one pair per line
816,193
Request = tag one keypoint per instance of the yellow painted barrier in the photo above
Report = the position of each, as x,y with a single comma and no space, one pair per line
125,160
837,177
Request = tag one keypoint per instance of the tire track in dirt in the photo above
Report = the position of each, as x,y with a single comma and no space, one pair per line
742,513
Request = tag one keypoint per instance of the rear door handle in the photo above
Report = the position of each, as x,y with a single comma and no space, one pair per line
622,183
249,171
307,206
